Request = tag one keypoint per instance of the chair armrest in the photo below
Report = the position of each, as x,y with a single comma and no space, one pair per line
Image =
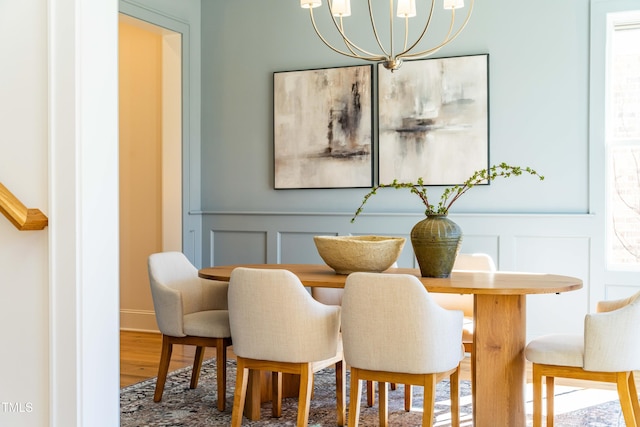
167,303
214,294
447,337
611,342
313,332
454,302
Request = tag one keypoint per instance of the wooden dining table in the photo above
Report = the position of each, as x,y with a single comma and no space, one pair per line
499,375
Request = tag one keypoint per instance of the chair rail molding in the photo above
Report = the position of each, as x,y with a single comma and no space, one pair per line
18,214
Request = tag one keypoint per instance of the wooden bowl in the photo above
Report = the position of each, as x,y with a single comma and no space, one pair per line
346,254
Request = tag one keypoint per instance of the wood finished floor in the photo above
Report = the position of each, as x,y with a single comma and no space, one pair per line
140,355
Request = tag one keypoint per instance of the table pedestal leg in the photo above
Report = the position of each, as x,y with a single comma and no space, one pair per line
499,375
259,391
253,398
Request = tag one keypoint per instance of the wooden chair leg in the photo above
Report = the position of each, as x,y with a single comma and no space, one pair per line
242,376
341,398
550,400
429,400
371,393
252,401
197,365
304,398
624,394
454,390
633,391
408,397
383,410
221,372
537,397
355,395
276,394
468,348
163,367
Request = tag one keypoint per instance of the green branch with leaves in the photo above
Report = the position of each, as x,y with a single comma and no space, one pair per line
450,194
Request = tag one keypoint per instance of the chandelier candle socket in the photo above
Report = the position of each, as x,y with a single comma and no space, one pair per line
388,55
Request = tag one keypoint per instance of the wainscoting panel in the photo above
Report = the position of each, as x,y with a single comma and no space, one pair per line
489,245
298,248
561,313
621,291
540,243
237,247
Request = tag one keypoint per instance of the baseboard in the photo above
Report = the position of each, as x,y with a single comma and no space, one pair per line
138,320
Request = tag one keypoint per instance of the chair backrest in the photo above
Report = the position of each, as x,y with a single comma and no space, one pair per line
611,305
273,317
465,262
474,262
176,290
611,339
332,296
391,323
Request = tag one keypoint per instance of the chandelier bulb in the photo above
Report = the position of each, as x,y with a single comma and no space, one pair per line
341,8
406,8
310,4
453,4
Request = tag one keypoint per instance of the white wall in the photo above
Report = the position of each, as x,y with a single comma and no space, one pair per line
24,265
83,208
59,135
59,306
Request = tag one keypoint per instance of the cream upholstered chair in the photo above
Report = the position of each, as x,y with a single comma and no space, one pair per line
609,351
393,331
277,326
190,311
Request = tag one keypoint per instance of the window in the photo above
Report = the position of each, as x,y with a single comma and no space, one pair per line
622,139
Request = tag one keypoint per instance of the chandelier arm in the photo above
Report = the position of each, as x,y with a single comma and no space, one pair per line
375,33
347,44
434,49
350,45
341,52
391,48
403,54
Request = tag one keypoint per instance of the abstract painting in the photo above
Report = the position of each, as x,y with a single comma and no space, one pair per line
434,120
322,128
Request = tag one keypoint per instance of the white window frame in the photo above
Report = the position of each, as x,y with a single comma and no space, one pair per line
616,282
614,21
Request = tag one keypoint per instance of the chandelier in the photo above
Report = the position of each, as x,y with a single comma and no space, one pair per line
391,59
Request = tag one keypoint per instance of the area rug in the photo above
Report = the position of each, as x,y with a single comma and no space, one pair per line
183,407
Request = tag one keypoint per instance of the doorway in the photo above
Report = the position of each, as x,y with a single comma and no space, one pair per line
150,160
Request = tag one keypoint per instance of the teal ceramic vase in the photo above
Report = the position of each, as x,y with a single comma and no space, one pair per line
436,242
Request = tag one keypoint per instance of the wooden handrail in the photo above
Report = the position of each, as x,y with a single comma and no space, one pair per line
18,214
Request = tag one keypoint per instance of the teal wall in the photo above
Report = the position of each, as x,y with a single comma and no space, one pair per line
539,70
